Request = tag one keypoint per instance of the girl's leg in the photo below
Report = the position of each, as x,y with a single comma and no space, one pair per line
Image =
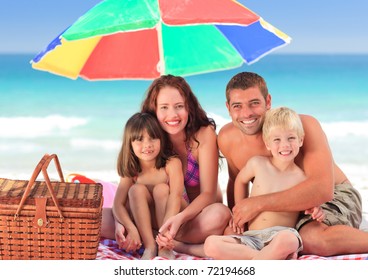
160,196
227,248
283,245
141,201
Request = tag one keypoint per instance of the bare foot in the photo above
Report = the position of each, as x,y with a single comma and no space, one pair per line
166,253
292,256
189,249
149,254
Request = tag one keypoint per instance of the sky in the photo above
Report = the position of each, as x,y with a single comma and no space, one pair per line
316,26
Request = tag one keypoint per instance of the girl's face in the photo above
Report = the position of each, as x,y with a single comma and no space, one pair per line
284,143
171,111
146,148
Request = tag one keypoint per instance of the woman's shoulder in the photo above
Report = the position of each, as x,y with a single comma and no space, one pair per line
206,132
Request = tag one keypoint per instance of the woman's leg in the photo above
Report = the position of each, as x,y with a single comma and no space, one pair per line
212,220
107,224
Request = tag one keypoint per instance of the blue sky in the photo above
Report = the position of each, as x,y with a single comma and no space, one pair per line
316,26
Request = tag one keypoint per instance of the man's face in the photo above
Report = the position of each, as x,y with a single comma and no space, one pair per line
247,109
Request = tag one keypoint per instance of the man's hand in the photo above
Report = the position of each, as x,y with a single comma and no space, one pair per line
244,211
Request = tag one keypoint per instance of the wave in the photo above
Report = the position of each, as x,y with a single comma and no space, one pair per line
348,128
33,127
86,143
332,129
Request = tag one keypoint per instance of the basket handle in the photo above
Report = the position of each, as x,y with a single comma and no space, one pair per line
42,166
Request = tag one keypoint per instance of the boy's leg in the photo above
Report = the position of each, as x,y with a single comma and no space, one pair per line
221,247
283,244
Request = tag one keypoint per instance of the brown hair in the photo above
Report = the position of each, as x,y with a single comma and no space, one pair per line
128,163
197,116
245,80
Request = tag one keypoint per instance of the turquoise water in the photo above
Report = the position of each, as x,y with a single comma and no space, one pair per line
82,121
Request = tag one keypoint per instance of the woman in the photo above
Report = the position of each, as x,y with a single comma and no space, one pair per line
193,138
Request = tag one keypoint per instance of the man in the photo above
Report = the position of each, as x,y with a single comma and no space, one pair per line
247,100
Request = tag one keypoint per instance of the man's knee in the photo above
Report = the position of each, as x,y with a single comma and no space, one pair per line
315,241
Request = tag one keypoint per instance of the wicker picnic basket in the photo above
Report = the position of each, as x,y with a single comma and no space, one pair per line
49,219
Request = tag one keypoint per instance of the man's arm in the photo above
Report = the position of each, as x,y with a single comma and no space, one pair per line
224,144
316,161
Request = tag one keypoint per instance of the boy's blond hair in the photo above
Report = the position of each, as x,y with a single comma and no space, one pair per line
282,117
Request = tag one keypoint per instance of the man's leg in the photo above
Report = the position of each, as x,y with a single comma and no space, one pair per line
320,239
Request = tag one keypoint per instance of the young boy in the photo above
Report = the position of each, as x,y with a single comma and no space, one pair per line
271,235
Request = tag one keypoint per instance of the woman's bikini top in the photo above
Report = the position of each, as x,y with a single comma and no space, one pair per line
191,178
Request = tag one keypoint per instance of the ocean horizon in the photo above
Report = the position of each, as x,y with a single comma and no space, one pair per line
82,121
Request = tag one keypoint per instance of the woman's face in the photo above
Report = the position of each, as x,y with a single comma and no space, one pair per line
171,111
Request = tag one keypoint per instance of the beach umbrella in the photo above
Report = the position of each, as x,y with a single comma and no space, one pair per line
135,39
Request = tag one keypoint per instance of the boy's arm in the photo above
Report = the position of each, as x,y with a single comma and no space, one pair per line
246,174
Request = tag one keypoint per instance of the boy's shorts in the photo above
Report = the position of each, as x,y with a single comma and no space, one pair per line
257,239
344,209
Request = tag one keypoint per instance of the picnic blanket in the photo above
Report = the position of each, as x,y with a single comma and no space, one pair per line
108,250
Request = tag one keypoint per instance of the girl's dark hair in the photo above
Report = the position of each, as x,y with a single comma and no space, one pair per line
128,163
197,116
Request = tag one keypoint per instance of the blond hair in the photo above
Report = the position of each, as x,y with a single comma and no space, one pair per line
282,117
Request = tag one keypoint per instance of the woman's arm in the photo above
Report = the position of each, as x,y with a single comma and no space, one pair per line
176,183
208,157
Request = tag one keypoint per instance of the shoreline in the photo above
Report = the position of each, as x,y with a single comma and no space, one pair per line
355,173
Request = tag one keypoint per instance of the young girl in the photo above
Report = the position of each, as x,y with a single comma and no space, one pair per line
151,186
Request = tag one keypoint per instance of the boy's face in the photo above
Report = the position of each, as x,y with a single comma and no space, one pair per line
247,109
283,143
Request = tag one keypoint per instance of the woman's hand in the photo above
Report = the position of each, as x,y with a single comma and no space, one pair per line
168,231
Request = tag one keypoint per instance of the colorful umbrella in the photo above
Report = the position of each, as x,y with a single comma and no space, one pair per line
135,39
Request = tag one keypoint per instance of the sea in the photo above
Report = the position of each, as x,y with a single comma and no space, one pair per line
82,121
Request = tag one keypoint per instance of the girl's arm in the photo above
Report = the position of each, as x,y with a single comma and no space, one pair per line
176,183
132,240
